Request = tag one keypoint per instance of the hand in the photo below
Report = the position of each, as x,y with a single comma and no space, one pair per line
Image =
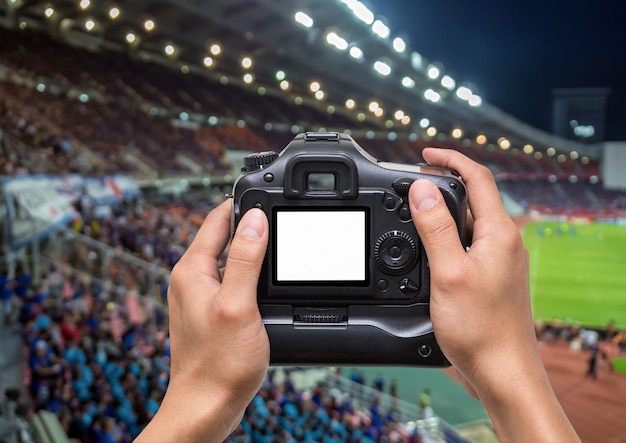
480,304
219,346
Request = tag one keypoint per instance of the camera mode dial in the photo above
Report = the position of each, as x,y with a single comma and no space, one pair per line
258,160
395,252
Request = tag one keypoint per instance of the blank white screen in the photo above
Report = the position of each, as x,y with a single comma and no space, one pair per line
320,246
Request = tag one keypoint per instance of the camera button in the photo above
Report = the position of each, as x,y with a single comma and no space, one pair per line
408,287
383,284
424,351
390,201
404,213
395,252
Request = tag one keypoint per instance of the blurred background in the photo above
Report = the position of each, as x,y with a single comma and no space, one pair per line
122,123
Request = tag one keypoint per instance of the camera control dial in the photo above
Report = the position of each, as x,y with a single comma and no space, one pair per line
258,160
395,252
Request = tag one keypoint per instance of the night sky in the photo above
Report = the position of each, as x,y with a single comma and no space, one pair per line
517,52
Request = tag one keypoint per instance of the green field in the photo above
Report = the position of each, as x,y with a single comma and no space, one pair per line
578,272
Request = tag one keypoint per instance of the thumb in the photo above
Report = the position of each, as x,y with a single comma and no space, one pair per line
247,251
435,225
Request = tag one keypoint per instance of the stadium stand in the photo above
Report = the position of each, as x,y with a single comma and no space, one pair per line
94,320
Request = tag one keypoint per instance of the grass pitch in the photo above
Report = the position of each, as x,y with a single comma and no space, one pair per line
578,272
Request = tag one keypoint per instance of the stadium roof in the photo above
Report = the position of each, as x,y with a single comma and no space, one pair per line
340,44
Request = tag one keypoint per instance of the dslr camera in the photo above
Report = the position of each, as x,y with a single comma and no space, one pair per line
345,280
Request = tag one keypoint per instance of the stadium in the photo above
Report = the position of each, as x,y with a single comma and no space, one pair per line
122,124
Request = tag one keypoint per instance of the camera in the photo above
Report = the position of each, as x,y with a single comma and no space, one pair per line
345,280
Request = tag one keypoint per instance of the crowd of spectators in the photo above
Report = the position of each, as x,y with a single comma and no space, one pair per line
103,372
89,361
281,413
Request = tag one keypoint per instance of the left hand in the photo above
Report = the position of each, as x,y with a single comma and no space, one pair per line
219,345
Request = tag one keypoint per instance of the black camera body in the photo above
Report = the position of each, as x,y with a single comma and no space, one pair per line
345,280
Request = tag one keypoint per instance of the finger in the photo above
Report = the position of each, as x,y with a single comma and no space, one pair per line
435,225
209,243
245,258
484,197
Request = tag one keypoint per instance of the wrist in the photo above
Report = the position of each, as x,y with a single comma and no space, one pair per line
521,403
187,416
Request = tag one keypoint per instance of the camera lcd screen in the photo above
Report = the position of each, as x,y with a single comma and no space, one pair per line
320,245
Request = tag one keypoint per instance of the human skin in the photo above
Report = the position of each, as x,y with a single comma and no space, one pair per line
480,305
480,309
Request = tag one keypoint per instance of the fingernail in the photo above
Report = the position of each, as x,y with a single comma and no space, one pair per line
253,224
425,195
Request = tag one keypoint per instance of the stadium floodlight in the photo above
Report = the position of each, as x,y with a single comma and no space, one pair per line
84,4
208,61
359,10
433,72
464,93
379,112
350,103
431,132
382,68
573,155
215,49
131,38
90,24
149,25
475,101
319,94
408,82
169,49
380,29
551,151
49,12
405,120
248,78
332,38
457,133
304,19
399,45
424,123
448,82
417,62
284,85
373,106
315,86
246,63
114,13
398,114
280,75
504,143
481,139
431,95
356,53
528,149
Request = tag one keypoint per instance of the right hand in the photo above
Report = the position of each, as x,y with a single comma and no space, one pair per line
480,304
